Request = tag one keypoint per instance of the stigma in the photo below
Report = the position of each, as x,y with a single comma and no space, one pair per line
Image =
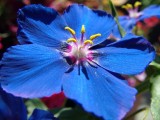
133,9
79,48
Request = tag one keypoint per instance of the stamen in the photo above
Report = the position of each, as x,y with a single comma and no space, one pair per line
128,6
124,7
137,4
83,30
92,37
71,40
88,42
70,30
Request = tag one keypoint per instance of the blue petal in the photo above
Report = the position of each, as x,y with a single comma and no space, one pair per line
41,115
103,94
153,10
11,108
41,25
126,23
32,71
95,21
130,55
116,33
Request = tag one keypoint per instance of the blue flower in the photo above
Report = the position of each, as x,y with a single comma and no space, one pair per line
70,53
13,108
39,114
129,21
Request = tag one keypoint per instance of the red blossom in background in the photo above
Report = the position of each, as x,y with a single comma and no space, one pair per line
54,101
1,46
148,23
26,2
152,21
13,29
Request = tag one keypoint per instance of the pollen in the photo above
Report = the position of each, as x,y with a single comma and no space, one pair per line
127,7
124,6
71,40
88,42
83,30
92,37
137,4
70,30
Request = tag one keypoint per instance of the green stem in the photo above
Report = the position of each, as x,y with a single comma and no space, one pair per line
135,113
115,15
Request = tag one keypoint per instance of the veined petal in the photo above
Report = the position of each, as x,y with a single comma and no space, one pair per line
11,107
130,55
101,94
41,25
41,115
32,71
153,10
95,21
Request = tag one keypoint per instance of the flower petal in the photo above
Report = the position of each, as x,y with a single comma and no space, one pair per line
11,107
130,55
103,94
95,21
41,115
32,71
153,10
41,25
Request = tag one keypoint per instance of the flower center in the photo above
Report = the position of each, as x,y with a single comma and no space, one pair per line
133,10
78,50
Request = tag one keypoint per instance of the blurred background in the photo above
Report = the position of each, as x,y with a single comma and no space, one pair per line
149,28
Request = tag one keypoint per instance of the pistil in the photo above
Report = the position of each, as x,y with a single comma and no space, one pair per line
80,49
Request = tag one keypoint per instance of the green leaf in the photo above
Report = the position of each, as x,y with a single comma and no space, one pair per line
34,103
135,113
74,114
115,15
155,107
4,35
153,70
155,100
155,64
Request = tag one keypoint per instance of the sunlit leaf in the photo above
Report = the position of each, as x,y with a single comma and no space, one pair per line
34,103
155,100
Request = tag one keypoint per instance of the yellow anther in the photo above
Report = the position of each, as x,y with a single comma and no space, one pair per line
129,6
70,30
125,7
92,37
88,42
83,30
137,4
71,40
